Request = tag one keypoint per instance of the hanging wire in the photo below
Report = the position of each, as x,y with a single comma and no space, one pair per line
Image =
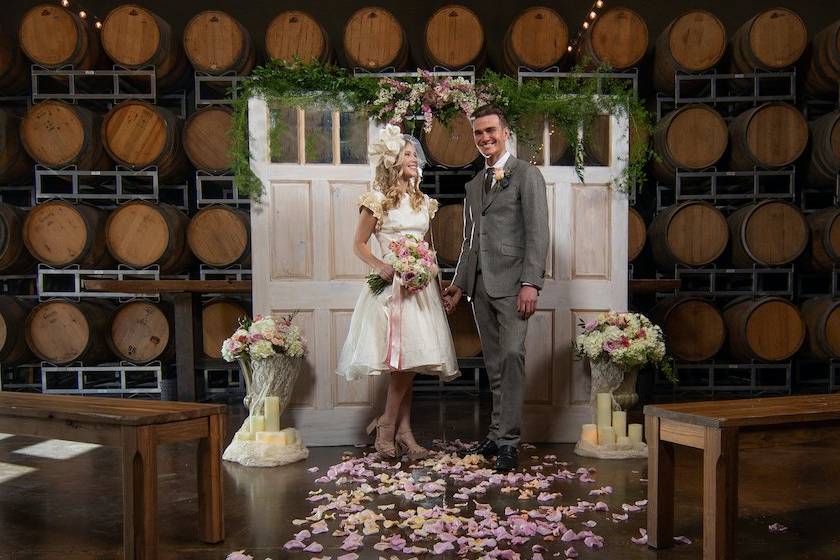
588,21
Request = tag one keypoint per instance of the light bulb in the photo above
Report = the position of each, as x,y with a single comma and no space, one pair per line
65,3
592,15
83,14
570,48
586,25
599,4
98,25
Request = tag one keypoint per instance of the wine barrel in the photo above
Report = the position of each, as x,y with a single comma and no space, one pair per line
636,234
618,38
295,34
141,331
448,232
138,134
134,37
771,40
14,257
454,38
536,39
770,135
692,43
768,233
216,43
822,320
15,165
207,138
824,164
374,39
60,332
691,234
56,134
13,347
52,37
451,144
219,319
464,331
597,144
823,74
219,236
14,71
530,144
693,327
768,329
60,233
690,138
141,234
825,239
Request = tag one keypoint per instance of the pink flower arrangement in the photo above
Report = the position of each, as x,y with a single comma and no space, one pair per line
413,261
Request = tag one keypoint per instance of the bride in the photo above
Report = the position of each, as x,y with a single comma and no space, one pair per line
407,334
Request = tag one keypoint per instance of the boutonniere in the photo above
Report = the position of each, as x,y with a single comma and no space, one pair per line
502,177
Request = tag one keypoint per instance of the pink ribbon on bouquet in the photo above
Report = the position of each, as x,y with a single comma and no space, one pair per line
394,356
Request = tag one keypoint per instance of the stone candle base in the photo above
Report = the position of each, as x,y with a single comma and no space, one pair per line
250,453
612,450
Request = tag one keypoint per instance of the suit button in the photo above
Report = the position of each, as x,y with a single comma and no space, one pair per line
484,213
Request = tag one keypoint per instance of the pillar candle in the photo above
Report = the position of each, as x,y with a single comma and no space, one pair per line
604,409
291,435
589,433
273,438
257,423
606,435
624,441
272,414
636,433
243,436
619,423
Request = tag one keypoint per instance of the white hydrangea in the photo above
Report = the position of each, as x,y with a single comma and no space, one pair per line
266,327
261,349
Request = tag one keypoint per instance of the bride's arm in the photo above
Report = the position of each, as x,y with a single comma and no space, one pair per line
364,229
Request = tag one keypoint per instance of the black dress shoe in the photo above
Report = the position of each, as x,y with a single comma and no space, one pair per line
507,460
487,448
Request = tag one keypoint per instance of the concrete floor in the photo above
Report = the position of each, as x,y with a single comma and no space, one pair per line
62,500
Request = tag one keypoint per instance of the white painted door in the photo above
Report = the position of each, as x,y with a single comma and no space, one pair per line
302,260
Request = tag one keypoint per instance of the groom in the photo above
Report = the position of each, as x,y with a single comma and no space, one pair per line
501,271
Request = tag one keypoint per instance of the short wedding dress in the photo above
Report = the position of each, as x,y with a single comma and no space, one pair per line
409,332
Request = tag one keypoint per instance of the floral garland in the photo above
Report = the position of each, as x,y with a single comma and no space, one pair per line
571,103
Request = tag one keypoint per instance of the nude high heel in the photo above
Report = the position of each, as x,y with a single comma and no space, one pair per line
384,443
415,451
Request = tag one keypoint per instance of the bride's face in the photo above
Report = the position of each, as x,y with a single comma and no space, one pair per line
408,161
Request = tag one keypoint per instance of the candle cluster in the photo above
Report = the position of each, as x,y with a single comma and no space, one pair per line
265,428
611,426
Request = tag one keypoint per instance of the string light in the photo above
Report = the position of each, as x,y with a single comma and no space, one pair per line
590,16
83,13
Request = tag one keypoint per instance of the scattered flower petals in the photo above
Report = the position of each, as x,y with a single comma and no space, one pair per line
313,469
442,547
351,556
682,540
571,552
239,555
777,528
641,540
314,547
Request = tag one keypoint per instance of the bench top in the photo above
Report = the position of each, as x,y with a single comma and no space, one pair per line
102,410
751,412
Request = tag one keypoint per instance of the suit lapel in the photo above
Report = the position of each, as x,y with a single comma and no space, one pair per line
491,196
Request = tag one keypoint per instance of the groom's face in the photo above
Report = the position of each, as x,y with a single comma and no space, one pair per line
490,136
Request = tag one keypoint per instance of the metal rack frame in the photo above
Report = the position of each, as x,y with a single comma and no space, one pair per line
123,371
227,97
76,80
225,182
722,188
47,275
731,282
554,72
714,369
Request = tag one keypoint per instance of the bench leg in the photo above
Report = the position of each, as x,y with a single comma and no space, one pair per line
210,497
720,493
139,465
660,525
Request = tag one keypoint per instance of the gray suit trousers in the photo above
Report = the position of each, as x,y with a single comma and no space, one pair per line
502,333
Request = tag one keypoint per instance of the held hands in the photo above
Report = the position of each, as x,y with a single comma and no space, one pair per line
526,301
451,296
386,272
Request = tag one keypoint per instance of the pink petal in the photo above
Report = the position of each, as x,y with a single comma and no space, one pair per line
641,540
590,523
682,540
313,469
314,547
601,506
442,547
303,535
536,556
620,516
777,528
571,552
642,503
628,507
239,555
319,527
351,556
569,536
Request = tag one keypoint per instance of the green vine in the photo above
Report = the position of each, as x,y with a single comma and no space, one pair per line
570,104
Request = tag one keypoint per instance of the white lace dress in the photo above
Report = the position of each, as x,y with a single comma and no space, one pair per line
412,327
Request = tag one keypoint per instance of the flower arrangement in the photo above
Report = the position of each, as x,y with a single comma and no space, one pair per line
264,337
413,261
626,340
428,96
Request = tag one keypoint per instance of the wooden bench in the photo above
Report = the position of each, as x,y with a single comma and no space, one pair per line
720,429
138,427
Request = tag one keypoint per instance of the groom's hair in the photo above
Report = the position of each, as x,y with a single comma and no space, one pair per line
487,110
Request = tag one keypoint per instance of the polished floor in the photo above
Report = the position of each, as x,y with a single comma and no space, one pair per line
62,500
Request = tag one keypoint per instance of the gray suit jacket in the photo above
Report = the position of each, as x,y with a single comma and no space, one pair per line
506,232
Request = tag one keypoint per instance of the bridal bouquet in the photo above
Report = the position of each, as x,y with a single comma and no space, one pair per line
264,337
625,340
413,261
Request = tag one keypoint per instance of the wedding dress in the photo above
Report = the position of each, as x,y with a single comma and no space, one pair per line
408,332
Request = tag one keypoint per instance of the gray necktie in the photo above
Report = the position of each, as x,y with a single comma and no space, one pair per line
488,179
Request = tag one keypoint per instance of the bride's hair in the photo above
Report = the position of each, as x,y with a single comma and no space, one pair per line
386,181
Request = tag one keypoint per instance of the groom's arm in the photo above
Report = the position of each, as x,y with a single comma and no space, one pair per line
535,212
460,278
